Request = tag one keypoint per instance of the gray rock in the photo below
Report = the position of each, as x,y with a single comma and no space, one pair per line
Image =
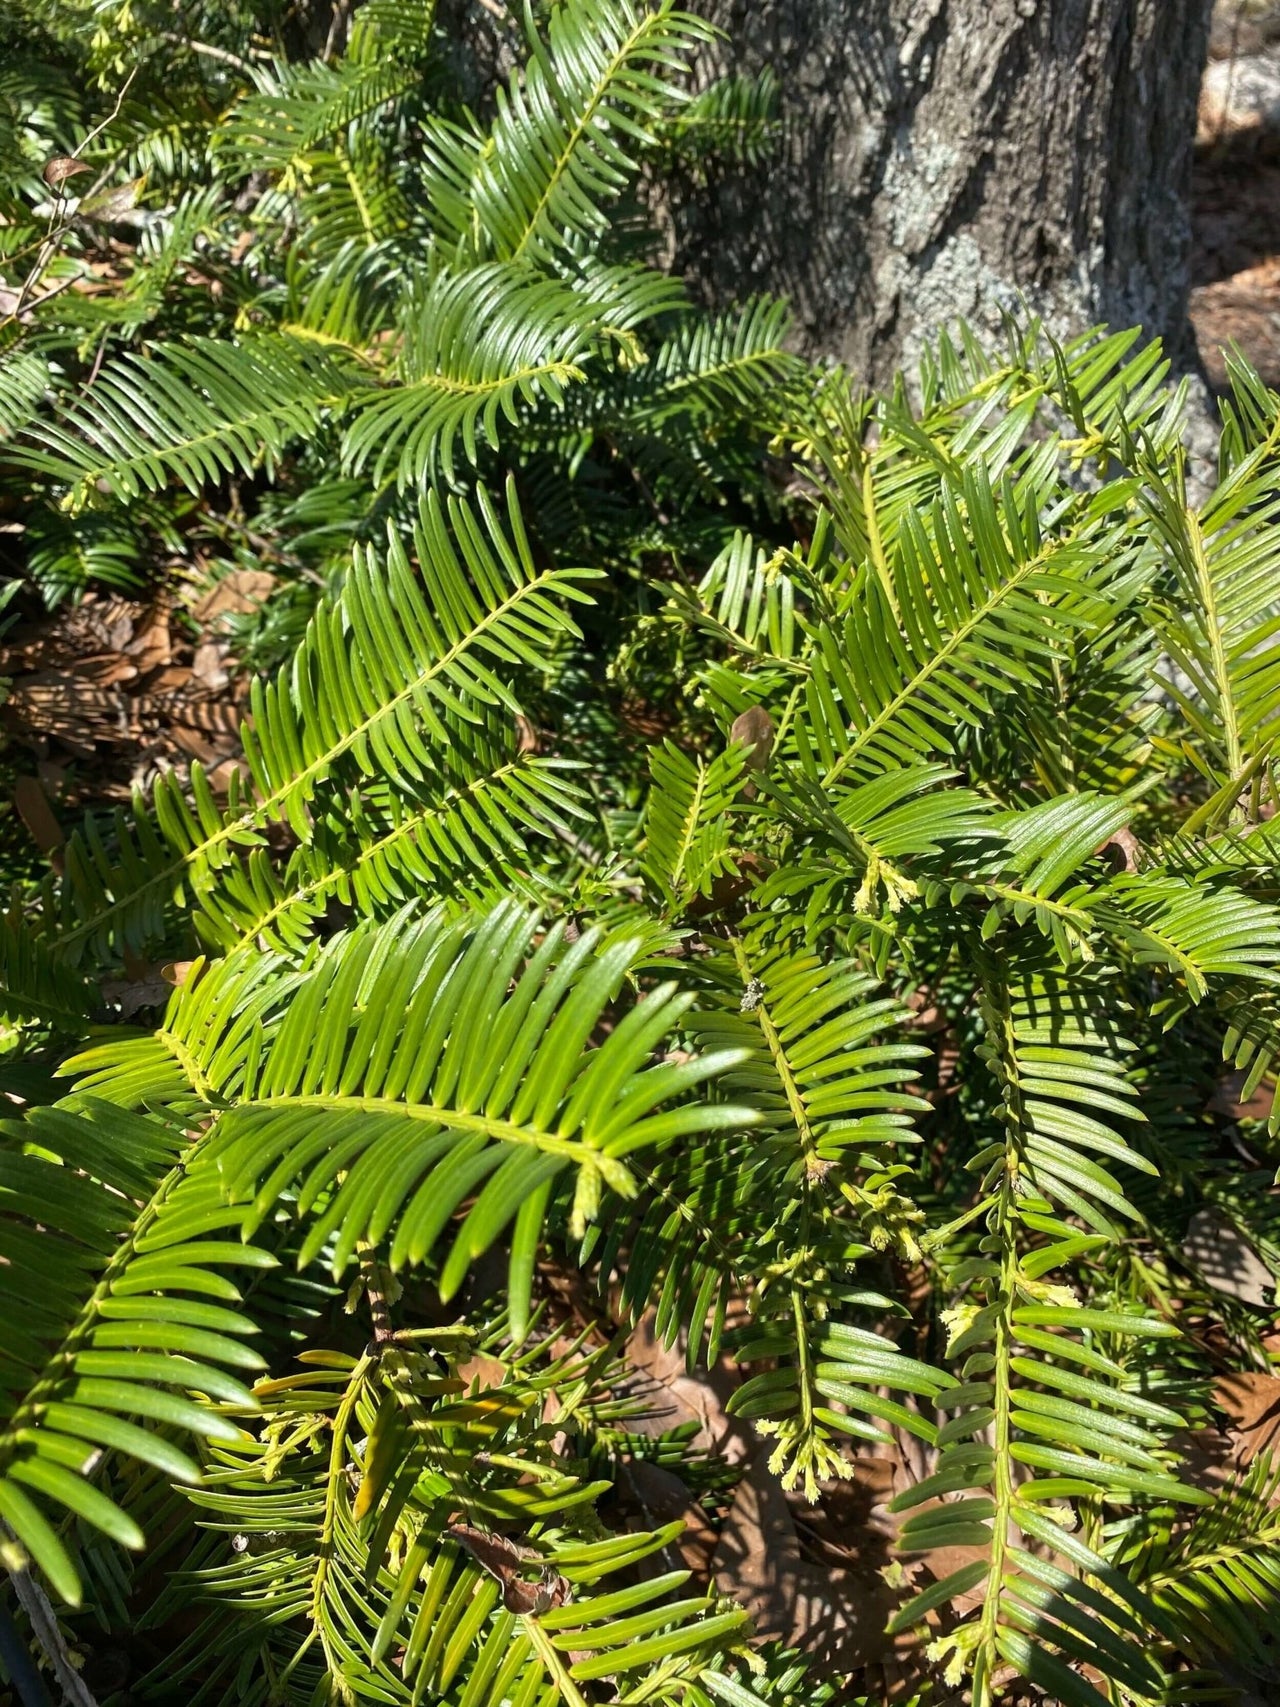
1241,96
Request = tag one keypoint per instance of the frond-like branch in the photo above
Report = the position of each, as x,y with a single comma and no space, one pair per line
379,1581
1220,622
298,109
1045,1384
477,345
688,830
195,412
567,132
100,1210
371,695
410,1066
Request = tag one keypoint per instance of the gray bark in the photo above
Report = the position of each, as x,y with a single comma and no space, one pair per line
944,158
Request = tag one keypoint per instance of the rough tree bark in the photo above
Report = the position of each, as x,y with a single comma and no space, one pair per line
955,157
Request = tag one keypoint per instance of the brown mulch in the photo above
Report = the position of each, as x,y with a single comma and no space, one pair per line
103,695
1235,296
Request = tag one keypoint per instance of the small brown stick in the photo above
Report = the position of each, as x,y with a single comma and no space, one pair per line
337,29
97,362
44,1627
206,48
55,228
375,1287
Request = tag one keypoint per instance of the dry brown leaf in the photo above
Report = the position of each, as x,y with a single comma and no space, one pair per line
36,812
116,630
105,668
726,889
61,167
943,1560
837,1616
1121,850
506,1561
1226,1098
1205,1457
209,666
78,712
194,743
1213,1457
110,674
757,1558
149,989
852,1518
209,732
657,1496
700,1397
754,729
219,777
1251,1400
1227,1260
152,649
237,593
485,1371
171,680
219,718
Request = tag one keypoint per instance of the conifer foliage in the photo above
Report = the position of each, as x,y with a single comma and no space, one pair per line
799,863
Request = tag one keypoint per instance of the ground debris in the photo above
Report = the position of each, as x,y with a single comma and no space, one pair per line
105,694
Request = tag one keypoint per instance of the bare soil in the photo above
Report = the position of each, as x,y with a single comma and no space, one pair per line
1235,298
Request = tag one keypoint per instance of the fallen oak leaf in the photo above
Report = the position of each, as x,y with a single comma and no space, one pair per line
836,1615
1226,1259
753,729
60,167
36,812
236,594
1226,1098
1250,1400
504,1561
1121,850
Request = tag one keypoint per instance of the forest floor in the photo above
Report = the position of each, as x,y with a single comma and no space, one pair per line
1235,296
1236,193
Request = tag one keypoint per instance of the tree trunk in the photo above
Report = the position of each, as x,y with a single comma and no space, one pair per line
944,158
